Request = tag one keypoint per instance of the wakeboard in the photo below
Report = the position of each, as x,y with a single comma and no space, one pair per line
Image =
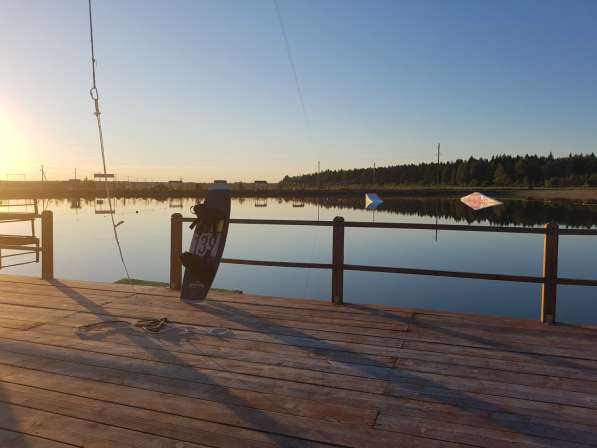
202,260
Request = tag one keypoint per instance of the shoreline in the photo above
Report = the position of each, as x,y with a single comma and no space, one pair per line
91,190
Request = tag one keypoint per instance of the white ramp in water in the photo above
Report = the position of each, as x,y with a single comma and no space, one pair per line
372,201
478,201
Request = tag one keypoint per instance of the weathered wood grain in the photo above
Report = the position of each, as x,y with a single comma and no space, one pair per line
241,370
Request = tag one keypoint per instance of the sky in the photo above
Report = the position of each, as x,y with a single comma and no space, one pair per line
203,89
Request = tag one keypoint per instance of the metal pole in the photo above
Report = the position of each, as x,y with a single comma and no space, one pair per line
175,251
338,261
550,274
47,248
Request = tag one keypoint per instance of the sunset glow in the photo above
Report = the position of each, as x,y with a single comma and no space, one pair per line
14,146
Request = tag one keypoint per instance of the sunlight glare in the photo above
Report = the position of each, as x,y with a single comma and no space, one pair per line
14,147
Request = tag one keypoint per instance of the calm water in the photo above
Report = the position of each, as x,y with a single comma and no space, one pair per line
84,249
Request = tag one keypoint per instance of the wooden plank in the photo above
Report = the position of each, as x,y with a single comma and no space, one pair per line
200,355
473,435
77,432
432,383
197,314
503,341
498,405
202,340
155,376
209,365
24,216
273,328
305,343
194,430
554,332
208,410
562,339
166,292
239,361
18,240
324,395
14,439
277,331
506,361
344,314
545,422
165,403
482,355
544,379
300,383
499,323
195,408
14,367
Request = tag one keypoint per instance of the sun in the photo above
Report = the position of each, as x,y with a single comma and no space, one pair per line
14,145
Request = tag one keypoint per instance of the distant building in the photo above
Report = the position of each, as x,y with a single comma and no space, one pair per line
260,184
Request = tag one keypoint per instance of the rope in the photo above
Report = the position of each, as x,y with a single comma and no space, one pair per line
95,97
149,325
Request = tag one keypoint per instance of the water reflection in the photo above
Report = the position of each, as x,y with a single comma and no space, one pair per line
84,249
513,212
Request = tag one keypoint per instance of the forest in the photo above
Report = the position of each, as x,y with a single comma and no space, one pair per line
501,171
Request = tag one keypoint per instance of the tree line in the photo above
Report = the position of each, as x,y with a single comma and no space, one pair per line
502,170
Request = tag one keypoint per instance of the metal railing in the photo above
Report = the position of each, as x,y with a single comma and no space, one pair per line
549,278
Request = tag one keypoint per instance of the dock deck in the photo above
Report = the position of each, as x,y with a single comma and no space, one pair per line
248,371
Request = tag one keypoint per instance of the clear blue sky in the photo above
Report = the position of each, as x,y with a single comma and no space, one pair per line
203,89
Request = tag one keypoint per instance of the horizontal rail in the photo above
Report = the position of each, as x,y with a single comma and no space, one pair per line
24,252
281,264
274,222
21,248
18,216
12,265
418,226
576,281
440,273
549,279
18,240
577,231
412,226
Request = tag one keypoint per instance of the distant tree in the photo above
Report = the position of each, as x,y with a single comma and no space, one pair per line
500,176
500,170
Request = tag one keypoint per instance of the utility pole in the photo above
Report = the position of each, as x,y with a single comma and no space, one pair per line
318,174
438,174
373,173
43,174
75,174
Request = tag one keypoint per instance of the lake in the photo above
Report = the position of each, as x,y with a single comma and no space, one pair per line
85,250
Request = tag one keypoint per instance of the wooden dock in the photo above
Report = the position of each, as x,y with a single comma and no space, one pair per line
247,371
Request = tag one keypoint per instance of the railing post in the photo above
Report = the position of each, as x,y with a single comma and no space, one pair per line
338,261
175,251
47,245
550,274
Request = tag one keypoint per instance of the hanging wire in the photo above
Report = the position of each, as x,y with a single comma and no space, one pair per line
299,92
95,97
297,83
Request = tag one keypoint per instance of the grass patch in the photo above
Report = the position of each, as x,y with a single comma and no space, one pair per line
139,282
